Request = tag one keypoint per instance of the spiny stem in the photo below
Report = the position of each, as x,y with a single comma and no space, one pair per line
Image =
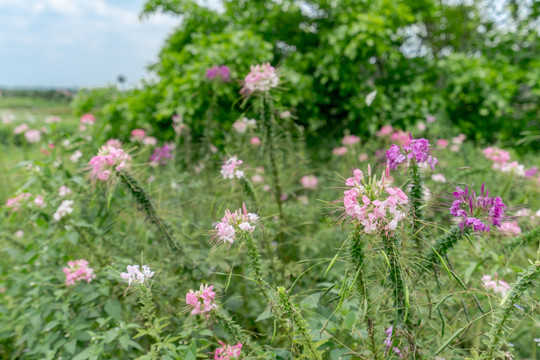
250,192
308,348
256,266
357,258
525,283
444,244
417,193
145,202
239,334
401,303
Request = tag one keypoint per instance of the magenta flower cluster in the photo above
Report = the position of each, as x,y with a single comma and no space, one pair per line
110,158
201,300
240,221
417,149
218,72
478,212
228,352
388,343
161,155
374,204
78,270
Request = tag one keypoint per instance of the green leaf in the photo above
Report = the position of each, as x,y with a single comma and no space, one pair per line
113,308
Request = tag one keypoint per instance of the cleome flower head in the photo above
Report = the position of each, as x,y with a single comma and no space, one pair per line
228,352
261,78
219,73
201,300
235,222
374,204
135,275
477,212
230,170
78,270
417,149
110,158
498,286
161,155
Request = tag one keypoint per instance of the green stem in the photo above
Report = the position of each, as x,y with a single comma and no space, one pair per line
250,192
256,266
145,203
417,194
444,244
239,334
400,292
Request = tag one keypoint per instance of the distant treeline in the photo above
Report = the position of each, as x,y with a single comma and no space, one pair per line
65,94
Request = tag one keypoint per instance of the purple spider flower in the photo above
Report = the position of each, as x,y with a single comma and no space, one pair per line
477,212
221,72
160,155
417,149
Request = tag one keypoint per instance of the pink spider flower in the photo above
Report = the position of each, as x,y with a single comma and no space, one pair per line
228,352
108,160
78,270
32,136
350,140
385,130
230,170
262,78
374,205
401,137
201,300
15,203
339,151
241,221
309,182
498,286
137,135
510,228
88,119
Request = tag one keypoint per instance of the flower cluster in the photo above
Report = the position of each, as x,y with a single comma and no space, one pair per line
498,286
20,129
228,352
339,151
78,270
63,210
137,135
110,157
309,182
417,149
261,78
15,202
88,119
388,343
240,220
64,191
161,155
229,169
350,140
501,161
477,211
135,275
201,300
220,72
244,124
32,136
372,203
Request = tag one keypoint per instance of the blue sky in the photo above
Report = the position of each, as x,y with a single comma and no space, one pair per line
77,42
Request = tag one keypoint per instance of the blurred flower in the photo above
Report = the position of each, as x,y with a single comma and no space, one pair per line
7,117
15,202
52,119
255,141
421,126
32,136
385,130
201,300
438,178
350,140
228,352
161,155
430,119
257,179
20,129
261,78
76,156
442,143
64,191
498,286
285,114
229,169
400,137
458,140
137,135
78,270
135,275
63,210
150,141
242,125
39,201
88,119
362,157
339,151
19,234
218,72
309,182
370,97
510,228
476,211
240,220
109,158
